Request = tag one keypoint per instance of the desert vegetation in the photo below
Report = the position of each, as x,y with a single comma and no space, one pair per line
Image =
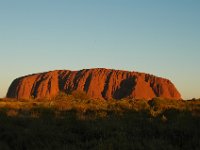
76,121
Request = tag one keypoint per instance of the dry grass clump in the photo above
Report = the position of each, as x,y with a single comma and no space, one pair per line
12,113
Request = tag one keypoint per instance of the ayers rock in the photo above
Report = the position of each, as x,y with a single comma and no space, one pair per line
96,83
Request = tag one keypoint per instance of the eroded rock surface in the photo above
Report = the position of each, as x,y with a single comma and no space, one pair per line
96,83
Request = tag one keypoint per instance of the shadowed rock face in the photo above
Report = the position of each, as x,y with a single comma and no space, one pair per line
97,83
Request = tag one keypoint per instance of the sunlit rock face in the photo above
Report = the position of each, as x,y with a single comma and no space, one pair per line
97,83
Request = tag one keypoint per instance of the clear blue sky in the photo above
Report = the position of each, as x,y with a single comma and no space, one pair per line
154,36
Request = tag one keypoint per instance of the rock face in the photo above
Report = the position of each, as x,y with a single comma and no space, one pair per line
96,83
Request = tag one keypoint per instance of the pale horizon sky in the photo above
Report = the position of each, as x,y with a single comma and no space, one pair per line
156,37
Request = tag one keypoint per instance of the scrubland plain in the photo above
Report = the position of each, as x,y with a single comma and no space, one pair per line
79,122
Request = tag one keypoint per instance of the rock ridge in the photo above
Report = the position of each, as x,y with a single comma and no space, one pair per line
98,83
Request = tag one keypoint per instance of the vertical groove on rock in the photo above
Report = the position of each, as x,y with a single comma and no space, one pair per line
125,89
34,92
77,78
63,76
103,93
87,83
49,86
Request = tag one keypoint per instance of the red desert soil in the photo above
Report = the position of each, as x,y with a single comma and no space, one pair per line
96,83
